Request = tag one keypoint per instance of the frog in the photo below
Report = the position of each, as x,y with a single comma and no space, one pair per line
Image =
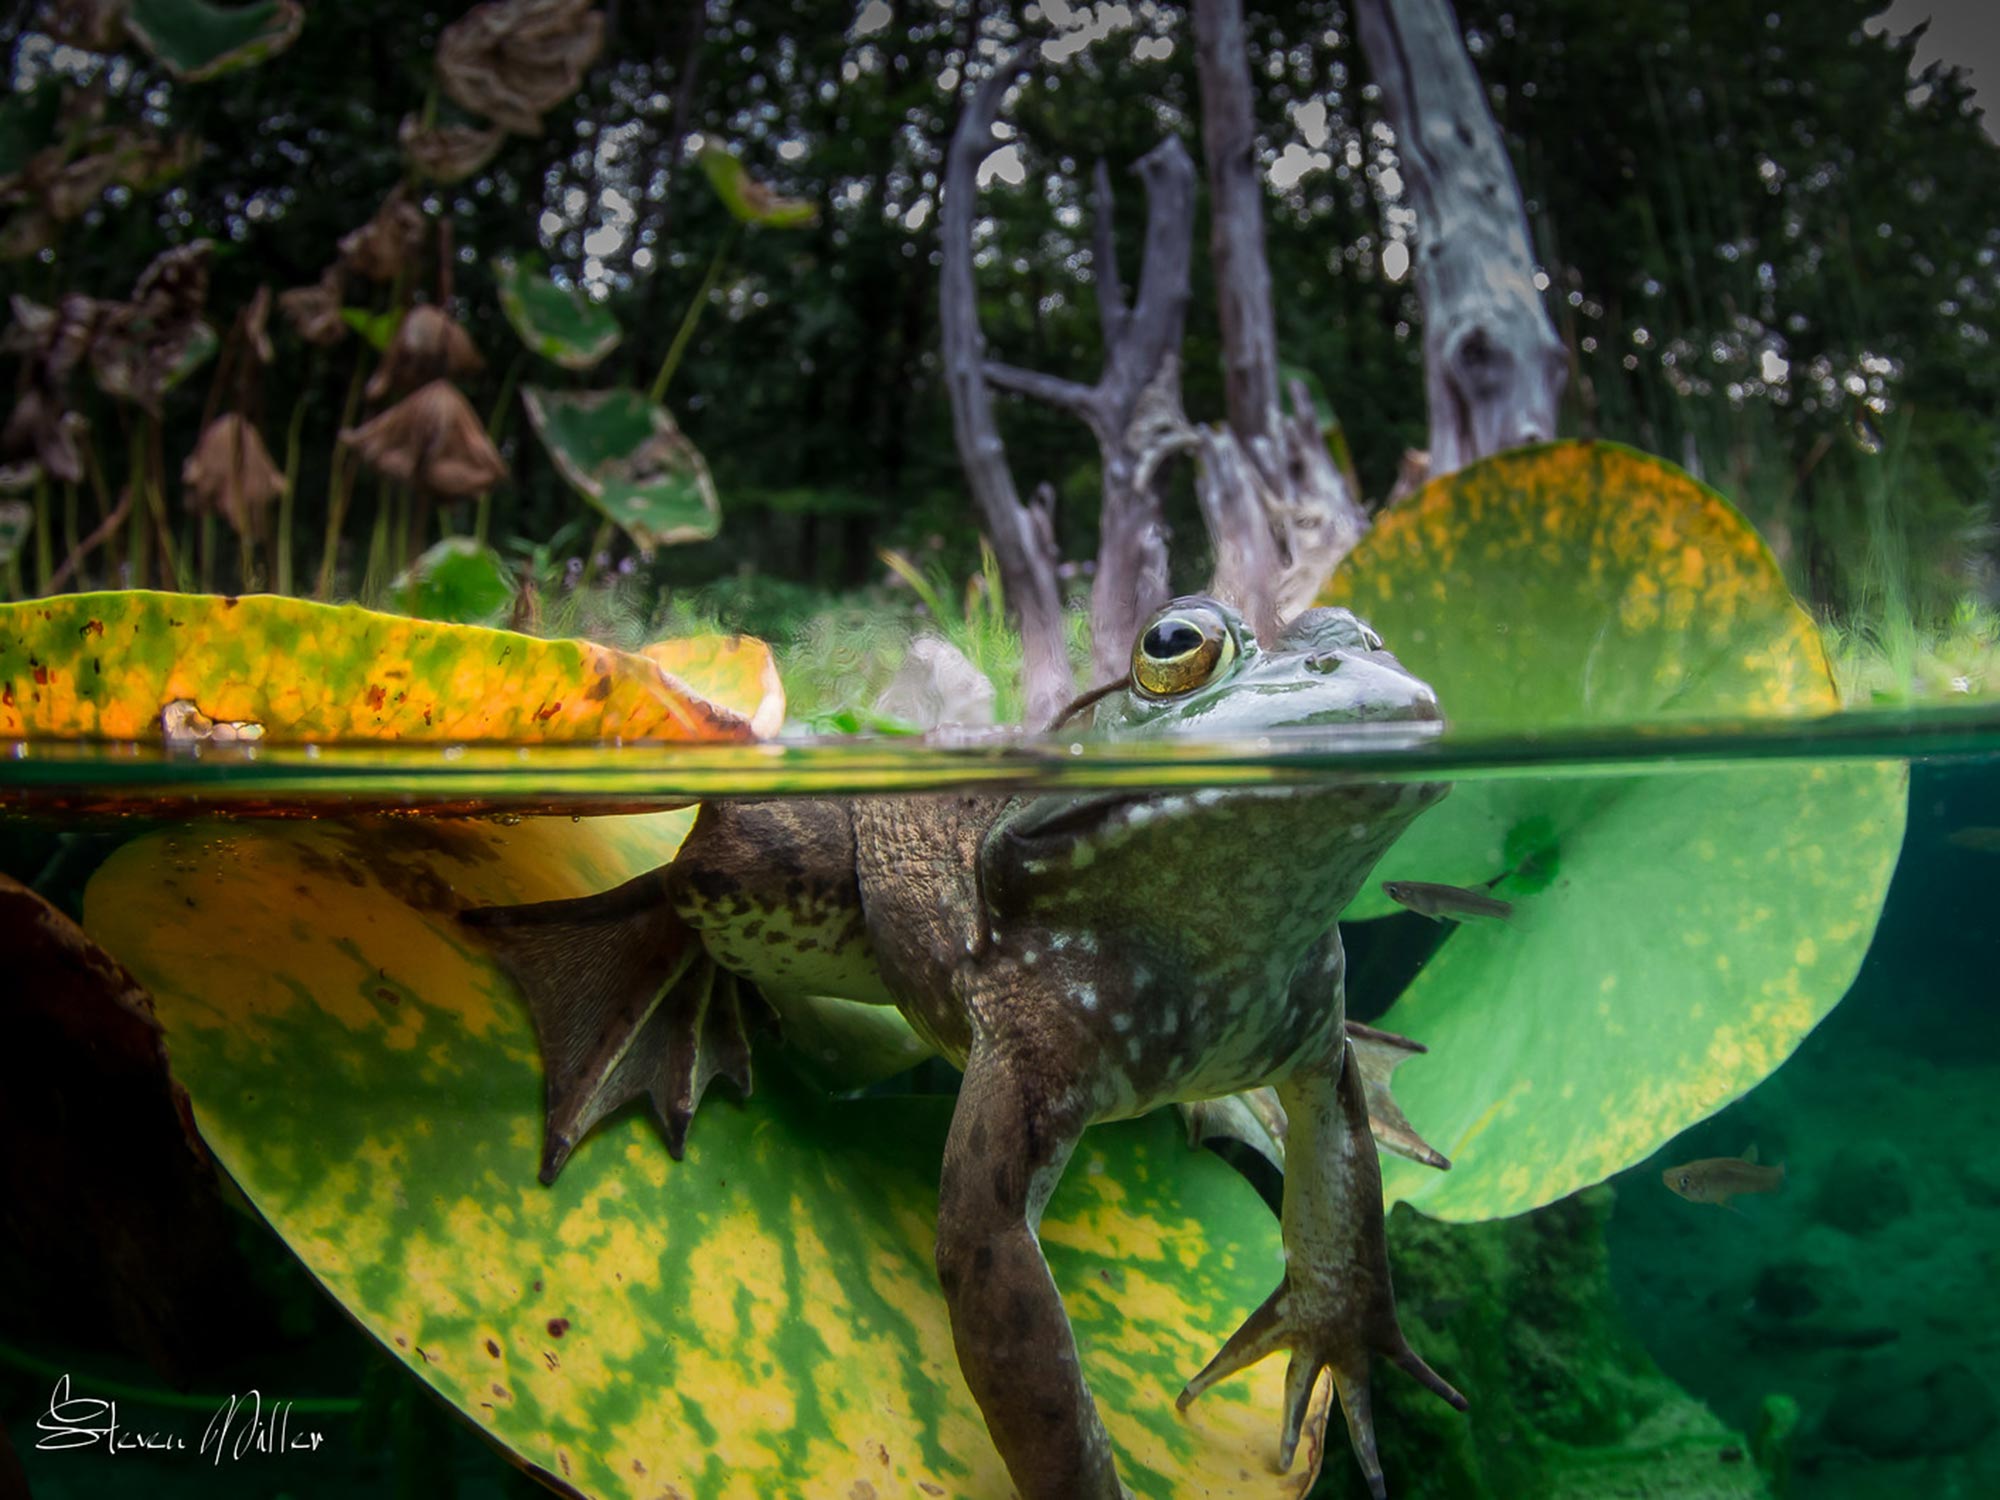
1081,956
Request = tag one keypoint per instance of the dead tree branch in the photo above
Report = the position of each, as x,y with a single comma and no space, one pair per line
1493,367
1278,509
1134,409
1023,540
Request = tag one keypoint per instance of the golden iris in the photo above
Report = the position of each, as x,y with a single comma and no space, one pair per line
1180,651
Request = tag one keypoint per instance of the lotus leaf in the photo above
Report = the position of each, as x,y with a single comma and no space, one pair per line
749,200
625,455
199,41
457,579
559,323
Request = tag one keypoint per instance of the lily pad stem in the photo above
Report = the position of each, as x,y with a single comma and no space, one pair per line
340,483
294,429
656,393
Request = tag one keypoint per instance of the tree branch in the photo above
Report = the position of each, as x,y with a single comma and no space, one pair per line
1022,543
1111,313
1068,394
1493,367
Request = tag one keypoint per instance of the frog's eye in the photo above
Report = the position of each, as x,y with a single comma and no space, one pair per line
1368,636
1182,650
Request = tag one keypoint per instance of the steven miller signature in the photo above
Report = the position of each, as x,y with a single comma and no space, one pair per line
243,1427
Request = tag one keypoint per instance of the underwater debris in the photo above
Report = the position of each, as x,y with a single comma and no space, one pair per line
182,723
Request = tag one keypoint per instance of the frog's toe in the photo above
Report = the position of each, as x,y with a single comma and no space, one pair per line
626,1003
1322,1341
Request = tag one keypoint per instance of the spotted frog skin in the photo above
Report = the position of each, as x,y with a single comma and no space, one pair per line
1083,957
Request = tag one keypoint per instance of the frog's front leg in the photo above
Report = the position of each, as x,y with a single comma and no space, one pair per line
1334,1309
1011,1134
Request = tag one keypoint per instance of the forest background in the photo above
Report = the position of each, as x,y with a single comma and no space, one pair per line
1770,251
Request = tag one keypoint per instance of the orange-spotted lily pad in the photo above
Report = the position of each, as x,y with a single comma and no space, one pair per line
737,670
760,1319
108,666
1674,935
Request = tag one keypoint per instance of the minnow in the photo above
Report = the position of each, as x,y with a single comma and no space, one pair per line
1445,902
1717,1179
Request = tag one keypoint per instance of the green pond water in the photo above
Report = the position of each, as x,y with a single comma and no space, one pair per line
1838,1337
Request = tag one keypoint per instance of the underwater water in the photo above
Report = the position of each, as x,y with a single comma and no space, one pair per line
1832,1333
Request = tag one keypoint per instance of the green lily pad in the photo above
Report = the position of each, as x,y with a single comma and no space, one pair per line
559,323
759,1319
1675,935
625,455
459,580
197,41
749,200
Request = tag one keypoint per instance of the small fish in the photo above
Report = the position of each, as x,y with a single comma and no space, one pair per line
1717,1179
1442,902
1983,840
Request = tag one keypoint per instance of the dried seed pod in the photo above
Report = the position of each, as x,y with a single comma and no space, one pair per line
428,346
510,60
387,243
314,310
230,473
433,439
448,153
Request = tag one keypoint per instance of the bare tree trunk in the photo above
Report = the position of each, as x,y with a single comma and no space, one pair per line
1279,511
1493,367
1023,538
1134,410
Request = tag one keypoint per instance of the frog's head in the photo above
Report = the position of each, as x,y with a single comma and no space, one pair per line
1197,670
1200,869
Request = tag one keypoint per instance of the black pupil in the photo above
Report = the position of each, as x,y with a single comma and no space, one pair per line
1170,639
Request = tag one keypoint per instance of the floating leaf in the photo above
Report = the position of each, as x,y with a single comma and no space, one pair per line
759,1319
625,456
750,200
104,666
199,41
1675,935
559,323
457,579
737,671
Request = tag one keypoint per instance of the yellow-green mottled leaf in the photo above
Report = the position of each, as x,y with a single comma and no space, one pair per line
1675,935
758,1320
105,666
737,671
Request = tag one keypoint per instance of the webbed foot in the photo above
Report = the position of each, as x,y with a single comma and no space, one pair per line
1335,1309
625,1003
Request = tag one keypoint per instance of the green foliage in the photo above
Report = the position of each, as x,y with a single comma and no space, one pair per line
198,41
458,580
624,454
559,323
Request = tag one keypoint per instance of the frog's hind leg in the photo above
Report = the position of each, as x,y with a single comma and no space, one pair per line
1334,1309
626,1002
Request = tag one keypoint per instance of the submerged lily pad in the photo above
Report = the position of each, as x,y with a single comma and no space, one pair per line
198,41
459,580
760,1319
625,455
1675,935
559,323
105,666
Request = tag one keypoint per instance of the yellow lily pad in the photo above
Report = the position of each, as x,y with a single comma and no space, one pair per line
737,671
758,1320
106,666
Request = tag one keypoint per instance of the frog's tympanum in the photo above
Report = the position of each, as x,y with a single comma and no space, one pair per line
1083,956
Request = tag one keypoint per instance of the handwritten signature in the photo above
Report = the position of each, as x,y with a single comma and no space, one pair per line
242,1426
